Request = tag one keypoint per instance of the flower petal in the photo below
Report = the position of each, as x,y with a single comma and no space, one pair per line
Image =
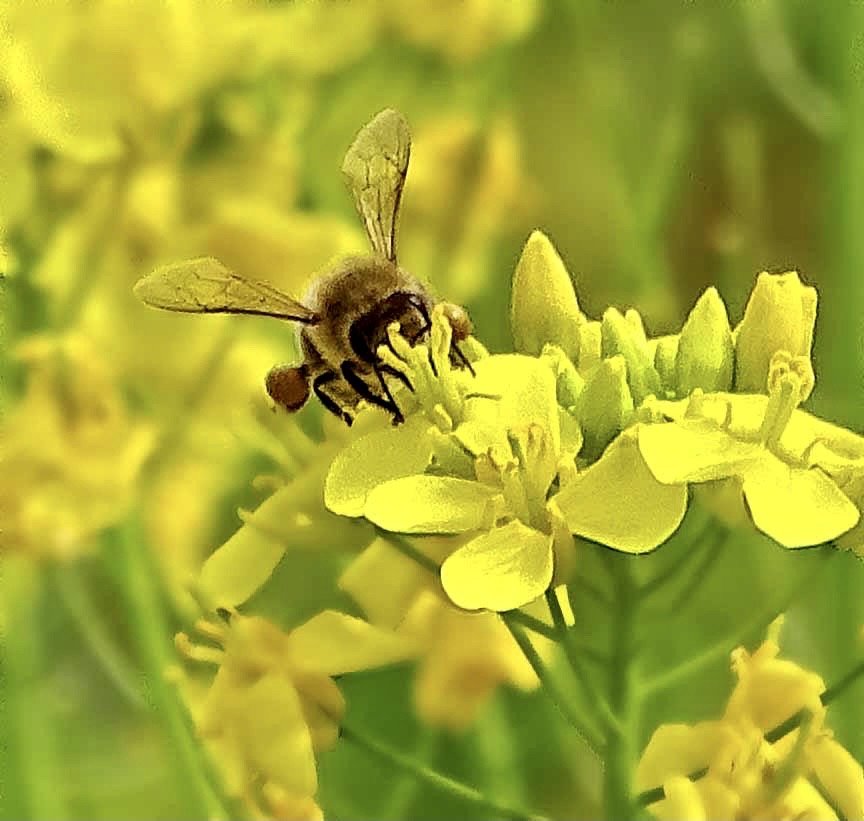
840,774
528,393
373,459
618,502
693,450
429,504
678,749
273,733
796,507
244,563
335,643
503,569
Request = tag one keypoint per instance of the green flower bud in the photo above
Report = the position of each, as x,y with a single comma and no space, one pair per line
620,335
544,307
590,346
569,385
706,356
605,407
779,316
665,354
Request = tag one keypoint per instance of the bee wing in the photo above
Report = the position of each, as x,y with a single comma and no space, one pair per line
374,167
205,285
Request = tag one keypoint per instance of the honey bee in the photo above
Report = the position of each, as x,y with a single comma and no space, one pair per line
345,314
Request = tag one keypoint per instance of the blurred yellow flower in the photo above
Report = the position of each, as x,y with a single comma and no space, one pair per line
72,451
462,657
460,159
747,775
273,703
462,30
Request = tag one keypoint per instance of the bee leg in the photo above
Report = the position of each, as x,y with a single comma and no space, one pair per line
365,392
390,371
463,359
418,306
318,385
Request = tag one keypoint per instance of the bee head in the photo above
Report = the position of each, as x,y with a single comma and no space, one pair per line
459,321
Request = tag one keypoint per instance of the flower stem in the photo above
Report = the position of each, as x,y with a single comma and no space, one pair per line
28,730
152,634
534,625
620,741
723,647
592,737
91,625
572,652
432,777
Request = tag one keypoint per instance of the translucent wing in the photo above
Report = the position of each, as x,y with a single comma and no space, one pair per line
374,167
205,285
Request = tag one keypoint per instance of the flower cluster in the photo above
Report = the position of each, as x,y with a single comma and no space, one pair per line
542,445
737,767
273,703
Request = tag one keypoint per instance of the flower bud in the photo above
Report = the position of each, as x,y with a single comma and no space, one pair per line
621,335
590,346
544,307
705,356
605,407
569,384
780,316
665,354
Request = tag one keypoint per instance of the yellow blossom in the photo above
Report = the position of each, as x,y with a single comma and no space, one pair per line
461,31
746,775
767,446
72,451
273,703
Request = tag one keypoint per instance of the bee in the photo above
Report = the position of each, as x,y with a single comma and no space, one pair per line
344,315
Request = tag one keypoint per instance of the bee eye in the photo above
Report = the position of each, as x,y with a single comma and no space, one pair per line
288,386
459,321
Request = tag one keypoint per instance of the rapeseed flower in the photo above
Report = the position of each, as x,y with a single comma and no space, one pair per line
273,704
748,773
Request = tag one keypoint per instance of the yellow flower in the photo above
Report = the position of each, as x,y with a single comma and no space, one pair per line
273,703
748,776
460,158
72,452
461,31
768,448
463,657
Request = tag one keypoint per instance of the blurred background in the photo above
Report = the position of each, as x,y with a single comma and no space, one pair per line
663,146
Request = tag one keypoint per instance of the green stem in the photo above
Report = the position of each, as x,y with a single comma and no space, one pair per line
432,777
29,740
723,647
700,574
404,790
407,549
571,651
92,629
145,603
620,747
534,625
592,737
671,572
